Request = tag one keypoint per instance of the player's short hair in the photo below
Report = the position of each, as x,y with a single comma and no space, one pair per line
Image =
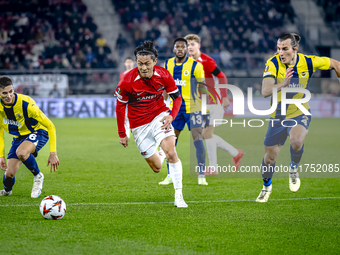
5,81
129,58
193,37
146,48
180,39
295,39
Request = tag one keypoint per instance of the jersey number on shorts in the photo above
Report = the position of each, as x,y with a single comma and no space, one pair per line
304,121
196,119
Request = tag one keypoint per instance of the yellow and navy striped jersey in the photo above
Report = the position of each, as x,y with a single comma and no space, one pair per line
187,75
22,118
303,70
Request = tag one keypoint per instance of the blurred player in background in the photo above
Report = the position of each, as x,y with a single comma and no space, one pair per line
188,74
129,65
216,110
21,117
290,69
142,91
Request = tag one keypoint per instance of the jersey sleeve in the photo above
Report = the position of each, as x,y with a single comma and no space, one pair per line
170,85
35,113
199,72
121,92
269,70
321,63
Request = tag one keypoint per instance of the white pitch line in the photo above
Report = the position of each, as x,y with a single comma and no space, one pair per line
192,202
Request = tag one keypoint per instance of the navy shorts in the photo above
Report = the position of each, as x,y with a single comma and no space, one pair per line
39,138
194,119
278,133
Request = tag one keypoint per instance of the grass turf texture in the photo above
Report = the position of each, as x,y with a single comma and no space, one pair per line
96,169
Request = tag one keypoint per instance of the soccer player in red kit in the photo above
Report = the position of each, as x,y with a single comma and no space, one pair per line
216,110
142,91
129,65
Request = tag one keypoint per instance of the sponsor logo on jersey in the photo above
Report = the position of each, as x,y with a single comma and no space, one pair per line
143,153
296,85
180,82
146,97
12,122
160,88
303,74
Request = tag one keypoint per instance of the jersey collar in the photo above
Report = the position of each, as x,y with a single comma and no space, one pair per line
9,106
181,63
154,72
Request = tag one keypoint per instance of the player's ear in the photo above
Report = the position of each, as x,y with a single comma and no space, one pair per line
155,61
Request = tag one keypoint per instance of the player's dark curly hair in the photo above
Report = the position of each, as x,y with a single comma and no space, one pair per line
146,48
295,38
5,81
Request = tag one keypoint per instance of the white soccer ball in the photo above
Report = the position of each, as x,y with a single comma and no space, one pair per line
52,208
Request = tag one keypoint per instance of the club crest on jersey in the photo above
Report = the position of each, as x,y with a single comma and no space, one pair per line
303,74
186,73
118,90
19,116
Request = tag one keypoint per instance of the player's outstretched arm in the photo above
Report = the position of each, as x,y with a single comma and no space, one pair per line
3,164
335,64
269,83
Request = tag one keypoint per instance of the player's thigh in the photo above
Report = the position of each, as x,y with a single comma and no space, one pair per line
208,132
196,133
13,165
298,134
154,162
25,149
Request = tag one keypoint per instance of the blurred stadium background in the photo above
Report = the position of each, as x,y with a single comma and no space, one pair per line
88,41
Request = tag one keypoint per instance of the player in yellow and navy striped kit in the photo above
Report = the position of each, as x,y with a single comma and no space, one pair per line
292,70
187,74
22,118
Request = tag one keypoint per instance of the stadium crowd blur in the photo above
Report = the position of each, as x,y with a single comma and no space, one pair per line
54,34
331,8
226,27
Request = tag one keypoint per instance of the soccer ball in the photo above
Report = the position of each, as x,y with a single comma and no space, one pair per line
52,208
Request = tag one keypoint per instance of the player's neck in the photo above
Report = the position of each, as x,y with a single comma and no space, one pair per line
180,60
197,55
293,61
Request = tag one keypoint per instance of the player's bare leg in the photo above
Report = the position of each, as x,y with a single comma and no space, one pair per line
168,179
213,142
9,176
267,170
175,168
297,135
25,154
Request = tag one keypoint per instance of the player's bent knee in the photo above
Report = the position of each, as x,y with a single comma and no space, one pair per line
22,154
296,142
9,174
171,156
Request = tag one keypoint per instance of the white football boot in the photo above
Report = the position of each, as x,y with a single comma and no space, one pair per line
264,194
202,180
5,193
166,181
37,185
294,180
179,201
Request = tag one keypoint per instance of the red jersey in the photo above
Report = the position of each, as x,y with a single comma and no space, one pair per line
213,76
143,96
122,74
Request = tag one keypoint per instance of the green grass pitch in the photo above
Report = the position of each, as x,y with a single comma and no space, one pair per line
107,189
